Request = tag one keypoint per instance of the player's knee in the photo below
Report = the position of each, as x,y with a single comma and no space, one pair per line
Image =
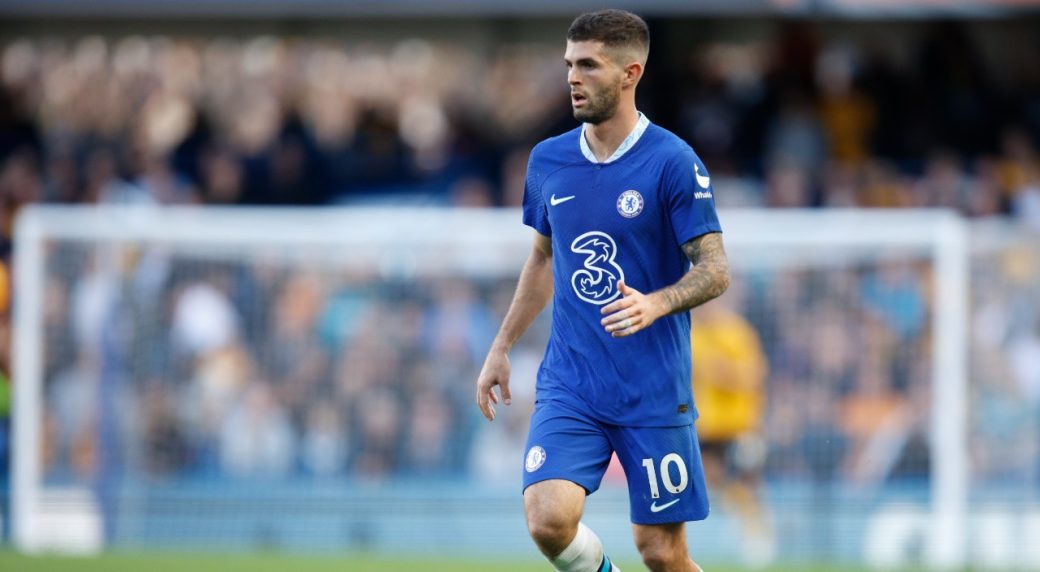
550,532
660,553
661,558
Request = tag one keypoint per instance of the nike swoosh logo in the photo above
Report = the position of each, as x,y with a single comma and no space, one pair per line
702,180
555,201
655,508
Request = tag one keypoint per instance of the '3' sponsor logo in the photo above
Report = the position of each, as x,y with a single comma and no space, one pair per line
596,281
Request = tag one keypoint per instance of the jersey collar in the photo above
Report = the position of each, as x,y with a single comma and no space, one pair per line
627,144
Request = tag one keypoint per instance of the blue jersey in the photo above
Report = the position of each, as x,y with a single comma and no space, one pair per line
624,219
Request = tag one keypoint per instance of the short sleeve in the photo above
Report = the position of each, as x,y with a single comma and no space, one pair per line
691,197
536,215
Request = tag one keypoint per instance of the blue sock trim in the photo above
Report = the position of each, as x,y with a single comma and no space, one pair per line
605,566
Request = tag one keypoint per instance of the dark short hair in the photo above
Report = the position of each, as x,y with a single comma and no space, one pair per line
615,28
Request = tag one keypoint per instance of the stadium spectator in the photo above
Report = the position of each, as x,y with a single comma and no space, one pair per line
256,437
72,398
324,444
430,444
290,352
380,418
165,451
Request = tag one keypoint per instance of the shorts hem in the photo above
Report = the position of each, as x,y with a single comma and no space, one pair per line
670,520
551,477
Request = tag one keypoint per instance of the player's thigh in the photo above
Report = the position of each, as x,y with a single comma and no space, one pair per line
564,444
665,474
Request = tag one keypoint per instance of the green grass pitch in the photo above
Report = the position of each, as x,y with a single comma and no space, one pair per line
146,562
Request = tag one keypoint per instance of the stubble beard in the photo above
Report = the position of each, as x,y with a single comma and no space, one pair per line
600,106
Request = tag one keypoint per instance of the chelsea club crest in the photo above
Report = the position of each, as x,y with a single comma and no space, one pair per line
630,203
535,459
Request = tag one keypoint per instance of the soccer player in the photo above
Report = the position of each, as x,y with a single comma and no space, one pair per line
729,375
620,207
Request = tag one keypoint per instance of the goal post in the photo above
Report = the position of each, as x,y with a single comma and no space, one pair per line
386,251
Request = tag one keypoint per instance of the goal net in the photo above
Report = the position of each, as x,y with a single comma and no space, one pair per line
236,379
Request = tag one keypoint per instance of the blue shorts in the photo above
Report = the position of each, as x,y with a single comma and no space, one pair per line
662,464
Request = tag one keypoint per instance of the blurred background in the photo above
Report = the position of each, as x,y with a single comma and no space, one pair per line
236,395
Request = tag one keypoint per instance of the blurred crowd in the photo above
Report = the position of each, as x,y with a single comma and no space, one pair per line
801,121
163,366
786,119
186,368
267,120
182,367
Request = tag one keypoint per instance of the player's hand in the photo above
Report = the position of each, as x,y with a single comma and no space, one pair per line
495,372
633,312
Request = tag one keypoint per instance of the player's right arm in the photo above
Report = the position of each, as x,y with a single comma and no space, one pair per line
533,291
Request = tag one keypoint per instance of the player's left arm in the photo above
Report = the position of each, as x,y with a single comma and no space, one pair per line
707,279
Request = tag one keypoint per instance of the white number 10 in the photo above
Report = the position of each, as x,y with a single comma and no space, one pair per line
666,475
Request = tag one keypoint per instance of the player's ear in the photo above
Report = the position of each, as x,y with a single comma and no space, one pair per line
633,73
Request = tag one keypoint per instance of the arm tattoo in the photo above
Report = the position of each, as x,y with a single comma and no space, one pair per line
707,279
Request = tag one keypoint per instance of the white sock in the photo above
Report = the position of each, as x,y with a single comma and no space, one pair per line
583,554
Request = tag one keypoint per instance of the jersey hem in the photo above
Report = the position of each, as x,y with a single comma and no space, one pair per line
687,419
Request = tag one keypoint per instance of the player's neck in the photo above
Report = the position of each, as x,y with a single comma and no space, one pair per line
605,137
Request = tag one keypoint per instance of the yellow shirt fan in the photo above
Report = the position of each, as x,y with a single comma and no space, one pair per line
729,371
